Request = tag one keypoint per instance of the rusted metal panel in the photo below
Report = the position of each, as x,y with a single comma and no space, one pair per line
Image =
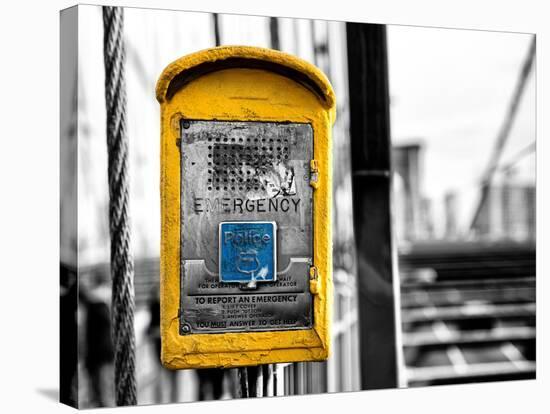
253,172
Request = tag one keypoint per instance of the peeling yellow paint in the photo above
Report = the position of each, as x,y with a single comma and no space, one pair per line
238,83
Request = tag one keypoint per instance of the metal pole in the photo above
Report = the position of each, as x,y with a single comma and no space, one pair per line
217,36
371,186
274,33
242,374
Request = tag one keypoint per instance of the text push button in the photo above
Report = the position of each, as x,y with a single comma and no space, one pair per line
248,251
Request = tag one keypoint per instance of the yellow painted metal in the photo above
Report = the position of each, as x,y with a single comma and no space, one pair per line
237,83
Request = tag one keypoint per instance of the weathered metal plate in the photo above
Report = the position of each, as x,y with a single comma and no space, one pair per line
257,173
247,252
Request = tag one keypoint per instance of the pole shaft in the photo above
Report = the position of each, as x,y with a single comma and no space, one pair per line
371,185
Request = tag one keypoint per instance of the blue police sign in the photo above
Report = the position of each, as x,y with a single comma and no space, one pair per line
248,251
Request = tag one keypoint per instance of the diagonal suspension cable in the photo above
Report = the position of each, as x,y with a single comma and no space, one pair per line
504,132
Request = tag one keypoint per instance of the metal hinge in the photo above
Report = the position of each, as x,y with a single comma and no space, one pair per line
313,280
313,174
313,275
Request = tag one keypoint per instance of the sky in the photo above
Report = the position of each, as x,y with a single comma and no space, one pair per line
450,90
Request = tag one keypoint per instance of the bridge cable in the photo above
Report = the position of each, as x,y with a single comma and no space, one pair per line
122,264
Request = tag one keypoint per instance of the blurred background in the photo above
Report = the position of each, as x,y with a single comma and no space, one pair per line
462,279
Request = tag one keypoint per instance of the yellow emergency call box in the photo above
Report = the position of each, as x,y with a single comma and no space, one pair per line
246,253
